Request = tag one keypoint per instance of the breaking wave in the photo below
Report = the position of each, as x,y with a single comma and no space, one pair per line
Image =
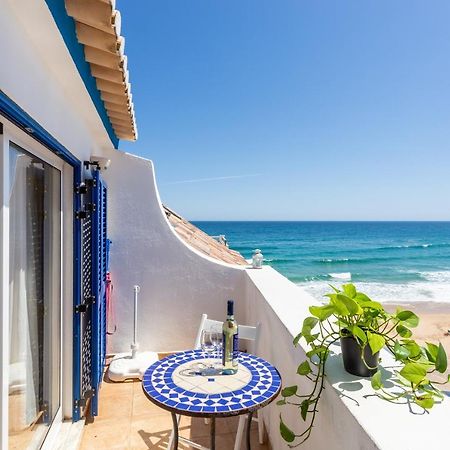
433,287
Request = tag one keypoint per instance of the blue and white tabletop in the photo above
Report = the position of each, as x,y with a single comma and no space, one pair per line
174,384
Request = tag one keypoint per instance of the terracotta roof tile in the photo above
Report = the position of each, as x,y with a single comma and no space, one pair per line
201,241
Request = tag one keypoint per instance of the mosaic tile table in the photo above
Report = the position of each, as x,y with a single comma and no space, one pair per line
173,384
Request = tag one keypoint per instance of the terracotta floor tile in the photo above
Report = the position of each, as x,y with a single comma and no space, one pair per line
150,432
129,421
142,405
108,434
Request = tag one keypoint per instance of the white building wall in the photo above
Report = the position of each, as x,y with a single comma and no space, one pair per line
38,73
178,283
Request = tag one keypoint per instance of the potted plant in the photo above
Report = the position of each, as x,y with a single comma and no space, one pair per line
363,328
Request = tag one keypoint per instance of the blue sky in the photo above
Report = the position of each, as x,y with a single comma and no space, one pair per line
293,109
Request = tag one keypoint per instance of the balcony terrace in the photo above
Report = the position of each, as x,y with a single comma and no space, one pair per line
349,417
179,283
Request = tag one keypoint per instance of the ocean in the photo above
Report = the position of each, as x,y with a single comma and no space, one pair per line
390,261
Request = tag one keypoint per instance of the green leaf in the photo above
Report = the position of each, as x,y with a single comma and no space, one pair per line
372,305
289,391
426,402
400,351
308,324
376,342
304,406
350,290
414,372
341,309
311,337
408,317
297,339
413,348
403,331
432,351
304,368
434,392
362,297
376,381
316,351
352,307
286,433
359,333
322,312
281,402
441,359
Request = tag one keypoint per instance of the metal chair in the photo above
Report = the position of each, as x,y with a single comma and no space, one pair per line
246,333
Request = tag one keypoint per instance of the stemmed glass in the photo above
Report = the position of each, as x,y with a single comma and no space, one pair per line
211,343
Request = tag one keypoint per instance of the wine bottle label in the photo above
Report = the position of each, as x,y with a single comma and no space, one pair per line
230,350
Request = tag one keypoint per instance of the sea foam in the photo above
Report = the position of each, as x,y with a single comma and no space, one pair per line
435,287
345,276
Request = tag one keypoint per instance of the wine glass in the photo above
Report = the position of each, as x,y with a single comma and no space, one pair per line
208,343
211,343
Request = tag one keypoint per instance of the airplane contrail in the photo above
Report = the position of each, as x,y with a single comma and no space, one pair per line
201,180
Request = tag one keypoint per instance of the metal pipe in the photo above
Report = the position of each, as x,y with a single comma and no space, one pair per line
135,345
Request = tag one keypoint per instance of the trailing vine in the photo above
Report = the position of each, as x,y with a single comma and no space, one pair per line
352,313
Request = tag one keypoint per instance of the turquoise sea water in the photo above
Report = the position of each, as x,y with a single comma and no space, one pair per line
391,261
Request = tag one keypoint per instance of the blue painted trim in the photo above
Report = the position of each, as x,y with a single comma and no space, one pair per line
96,289
76,322
19,117
66,26
13,112
99,248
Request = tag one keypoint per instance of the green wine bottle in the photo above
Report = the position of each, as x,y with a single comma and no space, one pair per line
230,341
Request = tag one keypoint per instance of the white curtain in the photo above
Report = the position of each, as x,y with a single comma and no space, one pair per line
25,283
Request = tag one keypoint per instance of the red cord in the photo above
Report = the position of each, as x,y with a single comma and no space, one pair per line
110,316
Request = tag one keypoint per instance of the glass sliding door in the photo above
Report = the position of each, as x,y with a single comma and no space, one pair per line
35,298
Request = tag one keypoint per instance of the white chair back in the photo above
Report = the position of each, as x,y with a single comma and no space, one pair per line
246,332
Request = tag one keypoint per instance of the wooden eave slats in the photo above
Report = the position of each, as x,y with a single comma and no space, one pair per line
98,29
101,58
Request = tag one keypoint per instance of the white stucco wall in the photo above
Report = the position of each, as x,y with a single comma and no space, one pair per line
38,73
178,284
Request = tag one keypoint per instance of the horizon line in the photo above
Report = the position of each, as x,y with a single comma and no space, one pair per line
325,220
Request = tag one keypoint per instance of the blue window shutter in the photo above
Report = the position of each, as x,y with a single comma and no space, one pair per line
99,270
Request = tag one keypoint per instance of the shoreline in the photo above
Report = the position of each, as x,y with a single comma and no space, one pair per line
434,326
420,307
434,323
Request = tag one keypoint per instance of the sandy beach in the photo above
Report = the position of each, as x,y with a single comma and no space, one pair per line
434,323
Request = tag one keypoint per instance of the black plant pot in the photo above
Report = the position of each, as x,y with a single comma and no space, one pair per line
351,355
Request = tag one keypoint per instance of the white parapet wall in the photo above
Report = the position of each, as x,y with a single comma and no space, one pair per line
177,282
350,416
